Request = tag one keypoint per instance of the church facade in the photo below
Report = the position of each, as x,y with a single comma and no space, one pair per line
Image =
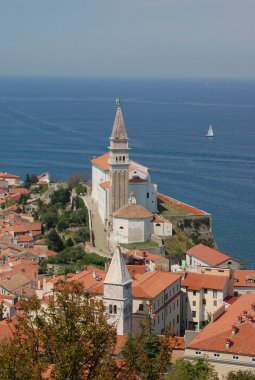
125,193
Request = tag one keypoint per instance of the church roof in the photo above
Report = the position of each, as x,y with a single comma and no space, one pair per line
102,163
119,130
117,273
132,211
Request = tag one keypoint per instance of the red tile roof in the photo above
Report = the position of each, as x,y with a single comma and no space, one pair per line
132,211
8,175
25,227
105,185
209,255
197,281
142,255
244,278
215,334
102,163
151,284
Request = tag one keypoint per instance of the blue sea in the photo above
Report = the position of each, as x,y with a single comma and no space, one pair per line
59,124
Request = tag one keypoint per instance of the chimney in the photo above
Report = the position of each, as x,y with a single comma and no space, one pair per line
239,319
94,274
249,317
144,254
228,342
234,330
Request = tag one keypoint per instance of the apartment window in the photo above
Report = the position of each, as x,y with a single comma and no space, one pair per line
205,291
170,309
198,352
194,303
141,307
173,322
214,303
235,357
110,309
174,305
177,303
158,318
177,287
178,318
115,309
214,293
148,195
194,293
166,312
216,355
162,316
204,301
166,296
194,314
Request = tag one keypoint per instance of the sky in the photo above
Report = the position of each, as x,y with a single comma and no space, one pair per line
128,38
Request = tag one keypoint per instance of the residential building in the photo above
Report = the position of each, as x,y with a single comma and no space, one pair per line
202,294
10,179
201,255
228,343
244,282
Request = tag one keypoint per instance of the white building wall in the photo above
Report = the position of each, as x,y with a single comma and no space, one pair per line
102,203
98,176
131,230
162,228
145,193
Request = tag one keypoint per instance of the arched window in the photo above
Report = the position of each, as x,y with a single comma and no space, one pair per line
123,158
115,309
121,228
116,159
158,224
110,309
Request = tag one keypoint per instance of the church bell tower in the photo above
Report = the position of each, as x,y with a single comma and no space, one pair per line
118,163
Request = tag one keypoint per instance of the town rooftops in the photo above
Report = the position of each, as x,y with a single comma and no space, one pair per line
197,281
244,278
235,326
132,211
209,255
151,284
24,227
8,175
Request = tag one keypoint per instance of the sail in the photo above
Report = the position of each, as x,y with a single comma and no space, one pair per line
210,132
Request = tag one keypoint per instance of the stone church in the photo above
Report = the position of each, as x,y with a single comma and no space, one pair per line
125,193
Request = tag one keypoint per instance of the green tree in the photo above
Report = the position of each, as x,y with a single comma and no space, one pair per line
54,241
71,335
69,242
241,375
23,199
153,353
81,235
61,197
30,180
199,369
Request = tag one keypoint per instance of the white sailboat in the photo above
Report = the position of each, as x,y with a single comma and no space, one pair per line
210,132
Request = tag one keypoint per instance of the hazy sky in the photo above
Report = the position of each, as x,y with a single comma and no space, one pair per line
166,38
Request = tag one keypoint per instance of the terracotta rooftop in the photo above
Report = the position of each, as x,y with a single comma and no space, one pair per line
214,336
102,163
142,255
105,185
151,284
132,211
197,281
244,278
24,227
8,175
209,255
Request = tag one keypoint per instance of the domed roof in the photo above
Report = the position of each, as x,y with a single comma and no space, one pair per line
132,211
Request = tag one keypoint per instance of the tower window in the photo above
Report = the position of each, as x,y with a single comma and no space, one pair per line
116,159
124,158
148,195
110,309
121,228
158,224
115,309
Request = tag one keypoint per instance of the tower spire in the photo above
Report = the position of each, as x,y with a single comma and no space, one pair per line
119,131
